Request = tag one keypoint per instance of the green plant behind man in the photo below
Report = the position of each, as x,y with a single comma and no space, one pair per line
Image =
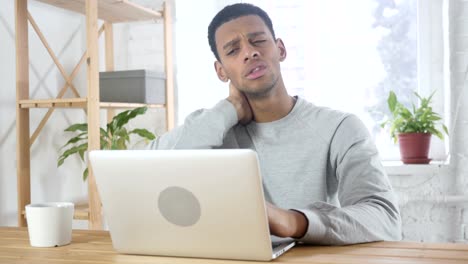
115,136
421,119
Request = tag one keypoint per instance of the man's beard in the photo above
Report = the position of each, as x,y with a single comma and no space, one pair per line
264,92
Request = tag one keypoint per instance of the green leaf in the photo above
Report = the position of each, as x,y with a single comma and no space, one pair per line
104,144
145,133
114,144
121,143
121,132
85,174
434,118
103,133
77,127
81,152
124,117
71,151
404,112
392,101
445,129
435,132
417,95
110,128
430,97
76,139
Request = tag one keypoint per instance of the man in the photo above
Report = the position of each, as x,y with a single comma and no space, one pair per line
322,176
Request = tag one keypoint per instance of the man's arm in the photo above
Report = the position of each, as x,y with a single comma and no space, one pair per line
368,211
286,223
203,129
369,208
206,128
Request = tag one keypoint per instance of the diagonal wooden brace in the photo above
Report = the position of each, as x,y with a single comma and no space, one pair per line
52,54
60,95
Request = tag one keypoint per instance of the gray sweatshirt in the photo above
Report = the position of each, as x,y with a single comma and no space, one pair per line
315,160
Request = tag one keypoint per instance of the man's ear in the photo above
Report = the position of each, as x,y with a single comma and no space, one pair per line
220,71
282,49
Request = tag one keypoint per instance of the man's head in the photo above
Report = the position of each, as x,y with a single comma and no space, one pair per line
248,54
231,12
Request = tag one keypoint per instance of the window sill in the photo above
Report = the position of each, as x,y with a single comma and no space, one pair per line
397,168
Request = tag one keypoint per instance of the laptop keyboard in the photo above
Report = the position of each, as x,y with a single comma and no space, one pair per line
278,244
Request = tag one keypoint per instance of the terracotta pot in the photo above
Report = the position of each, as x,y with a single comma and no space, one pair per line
414,147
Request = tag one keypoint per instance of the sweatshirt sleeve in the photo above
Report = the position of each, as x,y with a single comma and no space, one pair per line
203,129
369,209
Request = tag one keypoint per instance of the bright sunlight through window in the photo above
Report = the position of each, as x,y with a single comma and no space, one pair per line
348,55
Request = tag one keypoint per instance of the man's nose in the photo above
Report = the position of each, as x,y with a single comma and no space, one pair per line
250,53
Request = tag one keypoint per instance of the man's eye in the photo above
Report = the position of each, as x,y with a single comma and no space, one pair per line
259,41
231,52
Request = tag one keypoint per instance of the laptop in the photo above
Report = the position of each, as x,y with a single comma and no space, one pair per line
185,203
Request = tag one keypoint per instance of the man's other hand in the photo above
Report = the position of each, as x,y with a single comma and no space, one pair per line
286,223
240,102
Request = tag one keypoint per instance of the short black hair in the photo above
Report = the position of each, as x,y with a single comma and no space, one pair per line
232,12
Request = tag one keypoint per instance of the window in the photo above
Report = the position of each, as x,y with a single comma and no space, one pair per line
348,55
342,54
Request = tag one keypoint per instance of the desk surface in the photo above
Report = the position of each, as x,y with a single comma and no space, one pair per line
96,247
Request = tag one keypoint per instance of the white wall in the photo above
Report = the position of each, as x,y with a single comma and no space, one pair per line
196,76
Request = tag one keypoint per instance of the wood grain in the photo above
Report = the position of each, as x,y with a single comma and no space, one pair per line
113,11
169,66
23,153
78,103
93,246
95,217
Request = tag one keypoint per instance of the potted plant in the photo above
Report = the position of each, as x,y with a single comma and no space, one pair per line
115,136
413,128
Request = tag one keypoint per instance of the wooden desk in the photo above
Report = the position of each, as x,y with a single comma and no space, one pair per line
95,247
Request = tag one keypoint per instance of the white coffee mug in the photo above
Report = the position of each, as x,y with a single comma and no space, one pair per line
50,224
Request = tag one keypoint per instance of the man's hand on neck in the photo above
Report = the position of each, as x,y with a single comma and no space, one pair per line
241,104
262,110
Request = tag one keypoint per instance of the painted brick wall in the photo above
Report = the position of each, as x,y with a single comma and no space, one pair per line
426,217
459,85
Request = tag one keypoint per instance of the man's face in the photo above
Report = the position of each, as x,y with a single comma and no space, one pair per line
249,56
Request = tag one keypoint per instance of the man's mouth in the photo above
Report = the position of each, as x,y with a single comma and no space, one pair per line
256,72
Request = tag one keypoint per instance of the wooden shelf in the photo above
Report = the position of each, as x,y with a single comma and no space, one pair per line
81,212
113,11
110,11
79,103
129,105
54,103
